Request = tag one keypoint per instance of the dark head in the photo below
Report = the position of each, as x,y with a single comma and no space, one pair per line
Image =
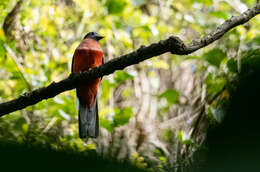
93,35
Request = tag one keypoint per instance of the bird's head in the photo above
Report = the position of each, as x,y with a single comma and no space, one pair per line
94,35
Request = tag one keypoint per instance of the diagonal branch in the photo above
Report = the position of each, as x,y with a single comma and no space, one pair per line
10,22
172,44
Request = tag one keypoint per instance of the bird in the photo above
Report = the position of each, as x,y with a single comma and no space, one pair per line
88,55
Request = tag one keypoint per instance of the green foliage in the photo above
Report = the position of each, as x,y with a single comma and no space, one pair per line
139,161
119,118
206,2
256,41
106,90
250,61
214,83
120,76
167,135
3,6
172,96
107,124
185,138
215,57
217,113
122,116
219,14
232,65
115,6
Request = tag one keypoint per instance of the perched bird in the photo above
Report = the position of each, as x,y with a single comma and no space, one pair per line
88,55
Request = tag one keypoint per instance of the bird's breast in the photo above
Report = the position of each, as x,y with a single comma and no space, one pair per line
84,59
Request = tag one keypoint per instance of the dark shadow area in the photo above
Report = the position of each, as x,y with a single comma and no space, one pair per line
235,144
20,157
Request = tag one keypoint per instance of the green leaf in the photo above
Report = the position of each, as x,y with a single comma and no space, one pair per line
107,124
2,35
218,114
179,136
126,93
232,65
214,57
214,84
219,14
158,152
184,138
2,50
206,2
167,135
120,76
162,159
122,116
256,40
172,96
115,6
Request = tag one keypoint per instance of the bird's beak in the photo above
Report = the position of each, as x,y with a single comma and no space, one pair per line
99,37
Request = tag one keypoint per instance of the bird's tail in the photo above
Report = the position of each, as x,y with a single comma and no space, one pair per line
88,120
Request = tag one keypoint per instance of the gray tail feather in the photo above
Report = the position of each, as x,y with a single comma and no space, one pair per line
88,120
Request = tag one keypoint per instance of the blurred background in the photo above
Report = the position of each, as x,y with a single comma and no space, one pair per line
154,114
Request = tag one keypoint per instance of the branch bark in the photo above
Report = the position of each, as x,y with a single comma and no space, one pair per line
10,22
172,44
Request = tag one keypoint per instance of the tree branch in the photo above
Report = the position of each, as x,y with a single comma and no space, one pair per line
10,22
172,44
